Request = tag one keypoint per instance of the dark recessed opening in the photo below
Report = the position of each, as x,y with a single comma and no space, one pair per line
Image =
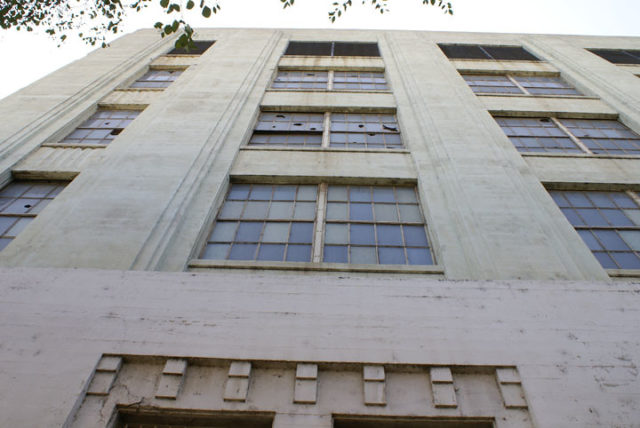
186,419
198,48
373,422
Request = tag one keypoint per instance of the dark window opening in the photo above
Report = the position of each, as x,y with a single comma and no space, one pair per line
198,49
333,49
508,53
185,419
371,422
618,56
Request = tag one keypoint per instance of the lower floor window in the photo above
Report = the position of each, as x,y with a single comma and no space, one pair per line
608,222
20,203
320,223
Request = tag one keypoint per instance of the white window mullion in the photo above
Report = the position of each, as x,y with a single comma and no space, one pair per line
318,233
573,137
326,131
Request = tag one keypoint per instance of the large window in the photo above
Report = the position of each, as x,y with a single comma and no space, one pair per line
155,79
101,128
264,222
305,223
508,53
527,85
332,49
199,47
375,225
608,222
570,135
331,80
619,56
347,130
21,202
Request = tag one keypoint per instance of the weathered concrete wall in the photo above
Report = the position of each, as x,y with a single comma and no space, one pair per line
575,343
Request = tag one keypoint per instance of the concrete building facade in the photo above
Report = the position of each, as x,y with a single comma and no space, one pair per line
306,228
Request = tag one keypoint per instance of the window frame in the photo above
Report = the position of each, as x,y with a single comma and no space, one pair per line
318,243
486,55
329,46
58,139
578,141
328,129
633,195
330,81
524,91
151,70
31,212
634,54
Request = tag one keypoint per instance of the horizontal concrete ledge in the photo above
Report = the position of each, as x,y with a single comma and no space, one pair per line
578,156
322,149
304,266
571,97
338,63
315,179
338,91
329,101
624,273
75,146
171,62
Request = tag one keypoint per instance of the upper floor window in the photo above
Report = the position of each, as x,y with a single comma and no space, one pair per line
331,80
200,46
516,53
333,49
101,128
618,56
347,130
156,79
305,223
21,202
514,84
594,136
608,222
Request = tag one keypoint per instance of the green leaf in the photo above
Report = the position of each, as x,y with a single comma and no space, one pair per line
206,11
190,4
164,3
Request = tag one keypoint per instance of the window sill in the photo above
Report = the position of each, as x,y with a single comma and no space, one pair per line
317,267
323,149
578,155
580,97
140,89
623,273
75,146
329,91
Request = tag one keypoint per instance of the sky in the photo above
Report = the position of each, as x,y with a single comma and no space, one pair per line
27,57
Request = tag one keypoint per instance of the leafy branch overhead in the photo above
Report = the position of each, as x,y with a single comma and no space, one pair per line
94,20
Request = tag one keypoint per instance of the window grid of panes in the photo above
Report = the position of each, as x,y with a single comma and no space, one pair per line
101,128
537,135
618,56
507,53
491,84
157,79
264,222
20,203
359,81
375,225
301,80
289,129
531,85
544,135
604,136
363,225
608,222
371,131
341,80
